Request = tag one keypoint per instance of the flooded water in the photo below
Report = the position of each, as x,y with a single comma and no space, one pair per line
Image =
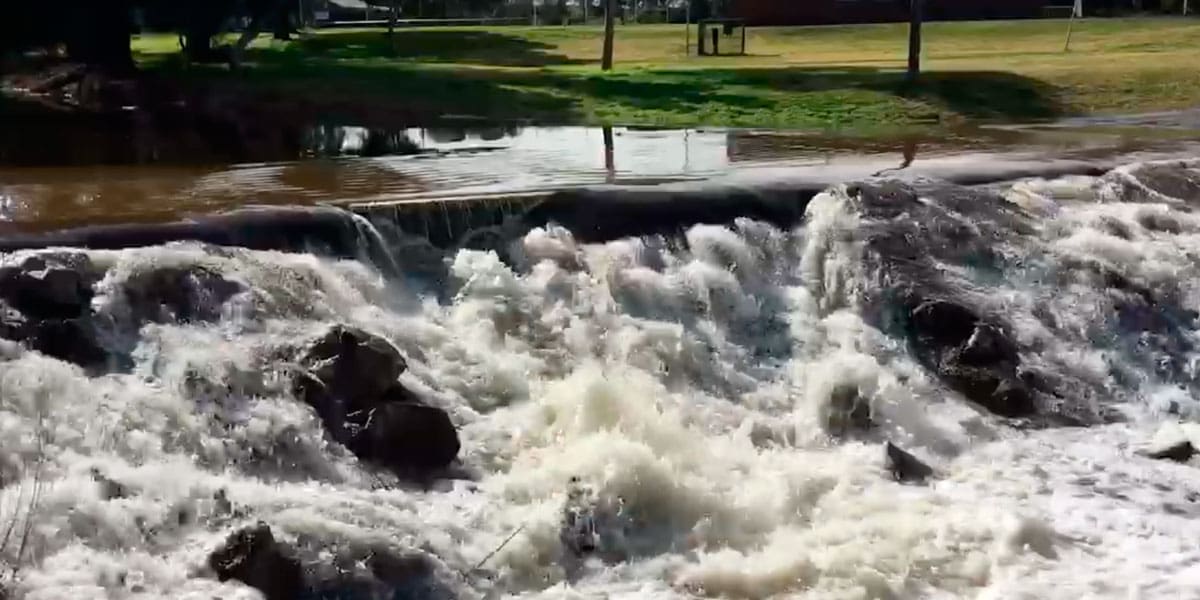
621,364
346,165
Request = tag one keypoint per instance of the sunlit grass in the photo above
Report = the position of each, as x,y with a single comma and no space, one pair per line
791,77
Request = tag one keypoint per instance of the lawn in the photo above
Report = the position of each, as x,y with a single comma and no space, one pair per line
849,76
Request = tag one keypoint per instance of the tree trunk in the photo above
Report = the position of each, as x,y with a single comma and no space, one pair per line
395,11
281,20
606,59
914,39
100,35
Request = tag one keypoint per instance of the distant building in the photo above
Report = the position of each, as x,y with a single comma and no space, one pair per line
828,12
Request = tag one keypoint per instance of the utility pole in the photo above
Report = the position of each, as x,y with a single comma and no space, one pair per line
606,60
914,39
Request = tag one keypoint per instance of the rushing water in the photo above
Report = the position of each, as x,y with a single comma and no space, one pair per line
679,386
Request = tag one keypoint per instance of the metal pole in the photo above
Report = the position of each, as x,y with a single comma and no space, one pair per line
1076,11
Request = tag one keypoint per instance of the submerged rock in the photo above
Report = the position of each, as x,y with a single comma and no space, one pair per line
930,249
182,294
905,467
1178,180
1179,452
848,411
253,557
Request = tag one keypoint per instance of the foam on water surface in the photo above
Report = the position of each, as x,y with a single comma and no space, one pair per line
677,392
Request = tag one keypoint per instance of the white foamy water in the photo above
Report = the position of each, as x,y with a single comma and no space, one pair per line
686,390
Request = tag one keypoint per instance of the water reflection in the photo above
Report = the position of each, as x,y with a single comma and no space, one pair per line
153,178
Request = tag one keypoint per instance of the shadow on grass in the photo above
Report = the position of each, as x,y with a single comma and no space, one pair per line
980,95
340,86
451,46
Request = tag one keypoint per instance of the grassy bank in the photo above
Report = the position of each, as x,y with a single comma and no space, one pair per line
792,77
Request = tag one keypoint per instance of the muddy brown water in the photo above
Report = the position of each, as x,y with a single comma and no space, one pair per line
57,174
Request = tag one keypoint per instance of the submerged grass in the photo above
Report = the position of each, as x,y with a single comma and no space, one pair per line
793,77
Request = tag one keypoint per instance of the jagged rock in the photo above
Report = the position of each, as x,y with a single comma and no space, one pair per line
1179,452
905,467
351,380
351,366
971,355
50,285
183,294
926,243
74,340
406,438
45,305
253,557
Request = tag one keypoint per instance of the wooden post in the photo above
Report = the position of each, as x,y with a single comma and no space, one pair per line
606,60
914,39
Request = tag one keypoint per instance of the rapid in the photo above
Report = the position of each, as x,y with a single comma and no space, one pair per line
698,411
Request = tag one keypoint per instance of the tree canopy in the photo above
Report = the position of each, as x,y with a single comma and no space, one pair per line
97,32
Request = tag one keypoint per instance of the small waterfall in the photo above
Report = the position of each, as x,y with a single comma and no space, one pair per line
669,394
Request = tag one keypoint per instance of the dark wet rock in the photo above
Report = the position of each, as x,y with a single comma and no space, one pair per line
49,286
45,305
934,250
849,411
905,467
1178,180
182,294
406,438
378,573
974,357
1160,222
254,557
1179,452
351,380
350,366
74,340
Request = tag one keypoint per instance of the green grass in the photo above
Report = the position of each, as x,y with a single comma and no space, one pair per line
849,76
